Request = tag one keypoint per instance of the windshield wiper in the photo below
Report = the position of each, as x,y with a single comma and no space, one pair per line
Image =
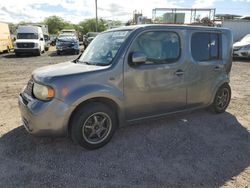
88,63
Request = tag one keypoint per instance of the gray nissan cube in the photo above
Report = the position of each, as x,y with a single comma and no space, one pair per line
128,74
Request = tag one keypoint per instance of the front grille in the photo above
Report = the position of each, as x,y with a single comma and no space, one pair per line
67,44
25,45
29,87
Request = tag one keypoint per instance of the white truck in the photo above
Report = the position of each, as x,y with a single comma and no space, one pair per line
5,38
30,39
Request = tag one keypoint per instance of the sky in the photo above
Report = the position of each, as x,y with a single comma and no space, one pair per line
77,10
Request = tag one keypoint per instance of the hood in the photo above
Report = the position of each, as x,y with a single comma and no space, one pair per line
26,40
63,69
240,43
67,39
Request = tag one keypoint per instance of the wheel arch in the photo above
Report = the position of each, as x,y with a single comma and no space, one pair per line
217,87
104,100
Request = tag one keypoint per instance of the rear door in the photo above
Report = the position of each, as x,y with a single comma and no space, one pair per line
206,65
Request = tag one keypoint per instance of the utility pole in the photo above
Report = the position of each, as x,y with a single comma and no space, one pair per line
96,18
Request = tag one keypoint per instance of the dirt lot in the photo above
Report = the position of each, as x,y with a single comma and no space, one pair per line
198,149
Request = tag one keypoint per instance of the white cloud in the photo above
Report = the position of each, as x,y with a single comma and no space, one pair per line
77,10
204,4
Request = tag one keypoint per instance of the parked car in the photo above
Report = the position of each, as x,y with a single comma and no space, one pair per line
242,47
88,38
47,41
53,39
129,74
29,39
5,38
67,43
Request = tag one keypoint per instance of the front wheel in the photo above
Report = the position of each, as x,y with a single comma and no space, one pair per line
93,125
222,99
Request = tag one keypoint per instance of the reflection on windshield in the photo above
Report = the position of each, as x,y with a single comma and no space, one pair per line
27,36
103,48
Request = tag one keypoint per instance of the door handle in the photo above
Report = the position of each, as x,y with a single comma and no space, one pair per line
217,68
179,72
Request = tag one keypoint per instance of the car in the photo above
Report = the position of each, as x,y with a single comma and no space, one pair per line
129,74
88,38
47,41
242,47
67,43
53,39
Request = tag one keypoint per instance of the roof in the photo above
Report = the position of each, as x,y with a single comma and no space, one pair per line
177,26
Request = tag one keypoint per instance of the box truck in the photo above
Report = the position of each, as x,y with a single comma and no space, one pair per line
5,38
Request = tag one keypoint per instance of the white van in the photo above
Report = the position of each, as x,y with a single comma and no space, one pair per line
29,39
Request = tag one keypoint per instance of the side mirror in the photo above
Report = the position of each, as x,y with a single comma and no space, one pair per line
138,58
41,39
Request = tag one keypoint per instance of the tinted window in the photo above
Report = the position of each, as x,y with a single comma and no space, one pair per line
205,46
27,36
159,47
214,46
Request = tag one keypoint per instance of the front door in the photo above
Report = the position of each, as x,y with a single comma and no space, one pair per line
158,86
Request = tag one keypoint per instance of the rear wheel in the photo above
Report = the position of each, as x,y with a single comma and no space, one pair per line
222,99
93,125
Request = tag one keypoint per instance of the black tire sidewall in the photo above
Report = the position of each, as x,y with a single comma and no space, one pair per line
214,105
80,117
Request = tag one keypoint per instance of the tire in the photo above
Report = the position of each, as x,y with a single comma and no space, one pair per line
221,99
77,52
39,52
47,48
17,54
58,53
93,125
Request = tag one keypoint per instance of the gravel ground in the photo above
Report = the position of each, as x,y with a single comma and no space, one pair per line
197,149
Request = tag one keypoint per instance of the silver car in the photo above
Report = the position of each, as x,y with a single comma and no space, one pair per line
129,74
242,47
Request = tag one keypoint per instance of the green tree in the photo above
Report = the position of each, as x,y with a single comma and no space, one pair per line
56,24
89,25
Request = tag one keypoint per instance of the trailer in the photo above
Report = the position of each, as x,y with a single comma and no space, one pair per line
5,38
240,28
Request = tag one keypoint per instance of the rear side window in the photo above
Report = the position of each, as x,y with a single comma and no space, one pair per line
206,46
159,46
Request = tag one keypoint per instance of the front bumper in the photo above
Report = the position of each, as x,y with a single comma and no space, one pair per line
43,118
67,48
241,53
26,50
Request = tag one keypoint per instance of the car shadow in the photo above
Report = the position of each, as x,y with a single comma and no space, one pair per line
12,55
192,150
54,54
241,59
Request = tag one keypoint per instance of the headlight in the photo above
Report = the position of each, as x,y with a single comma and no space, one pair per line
58,43
36,45
247,47
43,92
15,46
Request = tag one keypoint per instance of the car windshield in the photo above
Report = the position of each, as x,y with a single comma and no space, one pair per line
246,38
65,36
103,48
27,36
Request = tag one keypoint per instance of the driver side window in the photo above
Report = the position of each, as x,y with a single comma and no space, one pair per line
158,46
